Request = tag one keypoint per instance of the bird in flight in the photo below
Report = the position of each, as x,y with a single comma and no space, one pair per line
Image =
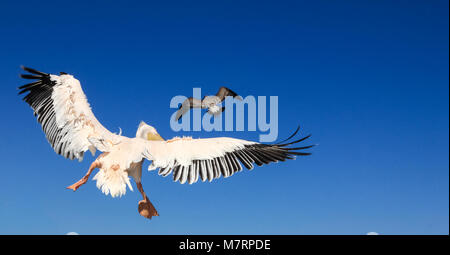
208,102
72,129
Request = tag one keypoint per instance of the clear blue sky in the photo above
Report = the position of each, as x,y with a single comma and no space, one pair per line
369,80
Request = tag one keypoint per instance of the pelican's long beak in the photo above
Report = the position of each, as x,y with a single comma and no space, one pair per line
154,137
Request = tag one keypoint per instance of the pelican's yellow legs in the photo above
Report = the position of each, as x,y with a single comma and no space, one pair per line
145,207
85,178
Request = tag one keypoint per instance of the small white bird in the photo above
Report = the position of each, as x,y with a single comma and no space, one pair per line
208,102
71,129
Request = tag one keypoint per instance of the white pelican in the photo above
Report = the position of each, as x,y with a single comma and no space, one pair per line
71,128
208,102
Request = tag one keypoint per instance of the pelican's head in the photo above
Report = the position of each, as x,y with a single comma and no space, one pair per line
148,132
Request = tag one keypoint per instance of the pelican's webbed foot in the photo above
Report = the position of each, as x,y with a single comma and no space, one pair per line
146,209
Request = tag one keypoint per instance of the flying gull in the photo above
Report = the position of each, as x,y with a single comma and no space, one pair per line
208,102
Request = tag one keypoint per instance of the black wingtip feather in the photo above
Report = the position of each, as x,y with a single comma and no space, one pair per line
300,153
294,142
33,71
301,148
29,85
296,131
30,77
43,81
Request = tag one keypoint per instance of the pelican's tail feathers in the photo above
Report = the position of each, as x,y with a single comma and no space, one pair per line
113,182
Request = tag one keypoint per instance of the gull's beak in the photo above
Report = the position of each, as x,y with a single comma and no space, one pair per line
154,137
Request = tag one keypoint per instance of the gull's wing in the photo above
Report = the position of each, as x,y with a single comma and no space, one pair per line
187,105
224,92
65,115
190,159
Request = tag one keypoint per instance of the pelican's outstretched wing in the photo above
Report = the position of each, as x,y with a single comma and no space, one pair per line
64,114
190,159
